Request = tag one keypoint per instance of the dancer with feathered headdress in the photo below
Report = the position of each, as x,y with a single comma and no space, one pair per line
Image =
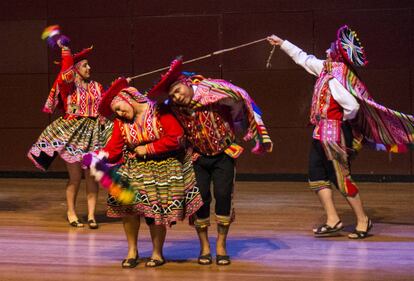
79,131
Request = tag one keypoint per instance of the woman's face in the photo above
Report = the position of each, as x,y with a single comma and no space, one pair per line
84,69
123,110
181,94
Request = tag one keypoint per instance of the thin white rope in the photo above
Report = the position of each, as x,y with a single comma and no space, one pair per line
207,56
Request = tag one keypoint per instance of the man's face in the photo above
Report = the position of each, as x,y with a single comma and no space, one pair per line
84,69
181,94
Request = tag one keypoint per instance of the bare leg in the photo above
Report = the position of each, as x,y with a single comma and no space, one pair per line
203,238
72,188
221,250
131,228
222,232
205,252
91,194
362,218
326,198
158,233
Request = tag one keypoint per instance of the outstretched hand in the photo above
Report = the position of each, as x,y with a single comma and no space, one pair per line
275,40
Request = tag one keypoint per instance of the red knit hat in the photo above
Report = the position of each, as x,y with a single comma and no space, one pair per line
160,90
104,107
82,55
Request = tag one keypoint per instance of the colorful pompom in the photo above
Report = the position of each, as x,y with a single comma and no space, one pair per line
107,177
52,34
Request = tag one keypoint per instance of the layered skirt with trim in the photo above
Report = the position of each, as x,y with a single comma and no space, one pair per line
69,138
164,190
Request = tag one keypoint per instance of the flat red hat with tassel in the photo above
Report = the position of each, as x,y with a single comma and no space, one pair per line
160,90
82,55
104,107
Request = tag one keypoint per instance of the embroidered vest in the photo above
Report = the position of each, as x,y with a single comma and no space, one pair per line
84,102
326,114
143,131
206,129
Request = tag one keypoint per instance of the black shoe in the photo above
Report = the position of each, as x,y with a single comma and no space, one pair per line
130,263
93,224
223,260
205,259
75,223
357,234
326,230
155,262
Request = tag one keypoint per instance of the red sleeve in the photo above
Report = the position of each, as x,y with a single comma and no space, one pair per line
115,144
66,76
67,60
171,136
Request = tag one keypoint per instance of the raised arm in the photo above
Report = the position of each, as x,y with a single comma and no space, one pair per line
310,63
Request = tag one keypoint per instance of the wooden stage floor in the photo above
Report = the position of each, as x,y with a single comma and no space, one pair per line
270,240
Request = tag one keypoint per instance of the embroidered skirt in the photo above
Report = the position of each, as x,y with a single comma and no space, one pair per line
69,138
165,190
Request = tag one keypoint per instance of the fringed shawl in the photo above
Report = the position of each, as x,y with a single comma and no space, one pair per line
246,115
380,126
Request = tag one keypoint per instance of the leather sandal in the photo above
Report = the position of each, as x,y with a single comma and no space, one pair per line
93,224
155,262
130,263
327,230
205,259
357,234
76,223
223,260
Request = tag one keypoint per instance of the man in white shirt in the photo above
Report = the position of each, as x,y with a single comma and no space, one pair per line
332,107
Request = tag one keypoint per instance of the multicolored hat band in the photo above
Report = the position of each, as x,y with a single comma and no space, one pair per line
160,90
119,91
129,95
350,47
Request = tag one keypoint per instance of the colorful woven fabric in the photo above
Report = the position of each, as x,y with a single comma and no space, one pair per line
80,102
253,125
164,190
379,125
70,139
142,131
244,115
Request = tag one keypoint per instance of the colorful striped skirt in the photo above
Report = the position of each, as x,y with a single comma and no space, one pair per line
164,190
69,138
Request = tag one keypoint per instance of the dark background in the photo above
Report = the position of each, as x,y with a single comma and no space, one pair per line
131,37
